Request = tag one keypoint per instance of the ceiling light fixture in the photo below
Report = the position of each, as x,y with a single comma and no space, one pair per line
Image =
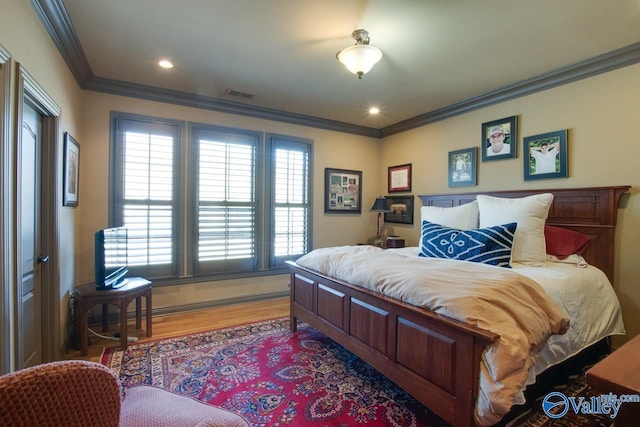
361,57
165,63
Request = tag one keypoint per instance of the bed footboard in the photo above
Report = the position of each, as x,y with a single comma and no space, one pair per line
434,358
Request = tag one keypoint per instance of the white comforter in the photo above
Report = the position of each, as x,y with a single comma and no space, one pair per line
586,294
496,299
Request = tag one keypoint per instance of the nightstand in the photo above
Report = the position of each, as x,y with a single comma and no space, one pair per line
372,244
619,373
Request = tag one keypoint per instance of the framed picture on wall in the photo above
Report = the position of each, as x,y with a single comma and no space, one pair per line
342,190
462,167
71,171
399,178
499,139
400,209
545,155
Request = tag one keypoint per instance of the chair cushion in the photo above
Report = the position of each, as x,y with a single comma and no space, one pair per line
150,406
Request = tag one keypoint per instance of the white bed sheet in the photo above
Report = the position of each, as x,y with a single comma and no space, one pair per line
586,295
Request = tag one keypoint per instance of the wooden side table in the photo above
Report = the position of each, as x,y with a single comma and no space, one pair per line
619,373
86,296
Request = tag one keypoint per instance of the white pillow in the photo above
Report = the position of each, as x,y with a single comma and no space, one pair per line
530,213
463,217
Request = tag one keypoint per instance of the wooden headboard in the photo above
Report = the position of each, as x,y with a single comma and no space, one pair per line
591,211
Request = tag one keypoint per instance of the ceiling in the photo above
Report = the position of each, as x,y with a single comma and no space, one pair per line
436,53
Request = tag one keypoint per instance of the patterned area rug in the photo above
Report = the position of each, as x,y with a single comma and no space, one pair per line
273,377
575,386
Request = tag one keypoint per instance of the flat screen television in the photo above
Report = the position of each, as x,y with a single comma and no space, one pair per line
111,257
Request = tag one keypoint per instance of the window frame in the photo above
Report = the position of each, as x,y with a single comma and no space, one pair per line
116,184
274,141
185,267
200,269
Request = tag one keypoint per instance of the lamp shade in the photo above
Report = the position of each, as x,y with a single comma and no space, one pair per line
360,58
380,205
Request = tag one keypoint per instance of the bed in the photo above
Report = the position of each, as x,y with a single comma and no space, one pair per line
435,357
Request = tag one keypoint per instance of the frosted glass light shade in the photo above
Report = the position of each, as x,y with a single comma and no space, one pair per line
360,58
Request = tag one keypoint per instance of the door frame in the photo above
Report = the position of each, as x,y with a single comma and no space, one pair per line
28,90
5,211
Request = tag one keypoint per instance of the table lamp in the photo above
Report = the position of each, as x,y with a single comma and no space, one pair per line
380,206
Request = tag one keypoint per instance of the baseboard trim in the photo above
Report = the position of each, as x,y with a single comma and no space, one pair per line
217,303
115,316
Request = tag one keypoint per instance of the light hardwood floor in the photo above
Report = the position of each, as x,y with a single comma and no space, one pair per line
172,325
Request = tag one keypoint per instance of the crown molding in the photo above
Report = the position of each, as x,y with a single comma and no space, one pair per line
610,61
57,22
152,93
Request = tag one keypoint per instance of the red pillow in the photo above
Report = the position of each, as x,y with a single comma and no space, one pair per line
563,242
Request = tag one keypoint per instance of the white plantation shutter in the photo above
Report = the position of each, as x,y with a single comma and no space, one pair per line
291,201
146,198
226,201
211,202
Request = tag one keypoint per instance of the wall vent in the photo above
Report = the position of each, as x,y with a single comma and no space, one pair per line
238,94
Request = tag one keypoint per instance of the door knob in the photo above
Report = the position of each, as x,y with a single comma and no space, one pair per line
43,259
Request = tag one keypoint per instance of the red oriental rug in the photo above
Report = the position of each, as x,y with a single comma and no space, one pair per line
272,377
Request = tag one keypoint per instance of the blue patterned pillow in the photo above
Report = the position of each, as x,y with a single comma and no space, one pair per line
491,245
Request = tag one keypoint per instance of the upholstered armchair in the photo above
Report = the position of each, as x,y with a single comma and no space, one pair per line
78,393
66,393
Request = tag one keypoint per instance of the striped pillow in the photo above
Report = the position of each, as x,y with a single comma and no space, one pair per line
491,245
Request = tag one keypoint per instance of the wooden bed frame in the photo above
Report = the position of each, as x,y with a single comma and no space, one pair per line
434,358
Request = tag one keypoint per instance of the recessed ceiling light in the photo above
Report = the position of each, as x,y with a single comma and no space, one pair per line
165,63
374,110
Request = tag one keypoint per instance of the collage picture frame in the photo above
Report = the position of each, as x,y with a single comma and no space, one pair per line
342,189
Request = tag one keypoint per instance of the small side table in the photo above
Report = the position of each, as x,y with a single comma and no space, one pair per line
619,373
86,296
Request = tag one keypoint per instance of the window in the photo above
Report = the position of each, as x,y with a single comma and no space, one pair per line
144,193
219,202
291,210
225,210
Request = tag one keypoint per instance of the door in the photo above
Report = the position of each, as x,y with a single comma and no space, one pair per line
31,260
